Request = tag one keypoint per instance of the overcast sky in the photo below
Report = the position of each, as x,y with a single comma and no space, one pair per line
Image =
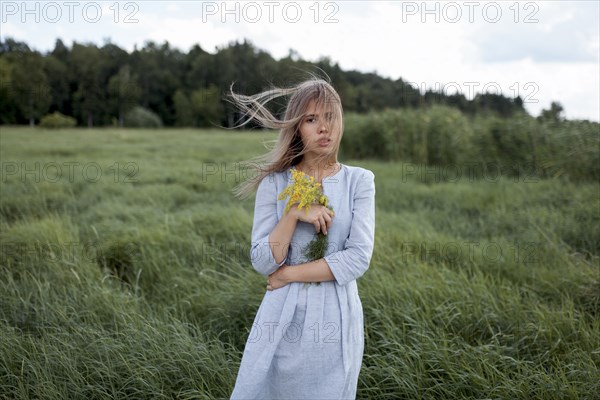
544,50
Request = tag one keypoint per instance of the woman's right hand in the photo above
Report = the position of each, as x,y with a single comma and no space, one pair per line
318,215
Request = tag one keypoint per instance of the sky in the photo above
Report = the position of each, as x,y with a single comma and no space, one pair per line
543,51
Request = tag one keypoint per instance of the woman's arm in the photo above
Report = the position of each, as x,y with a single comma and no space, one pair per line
281,236
351,263
271,237
314,271
266,249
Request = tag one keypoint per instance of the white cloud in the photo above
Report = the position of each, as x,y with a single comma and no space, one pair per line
173,8
560,35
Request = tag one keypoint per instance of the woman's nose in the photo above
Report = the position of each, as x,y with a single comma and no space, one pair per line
323,127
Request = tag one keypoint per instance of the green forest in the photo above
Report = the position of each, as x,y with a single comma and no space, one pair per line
99,86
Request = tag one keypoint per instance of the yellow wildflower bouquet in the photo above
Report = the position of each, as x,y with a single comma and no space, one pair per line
305,191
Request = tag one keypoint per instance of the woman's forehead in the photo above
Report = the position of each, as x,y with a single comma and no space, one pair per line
318,109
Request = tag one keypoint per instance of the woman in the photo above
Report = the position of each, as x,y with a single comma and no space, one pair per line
306,341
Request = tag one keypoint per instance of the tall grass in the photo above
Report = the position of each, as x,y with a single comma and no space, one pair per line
519,146
139,284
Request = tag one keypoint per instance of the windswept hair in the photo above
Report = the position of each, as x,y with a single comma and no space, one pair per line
289,148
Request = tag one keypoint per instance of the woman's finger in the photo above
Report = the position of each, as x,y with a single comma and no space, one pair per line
317,225
323,225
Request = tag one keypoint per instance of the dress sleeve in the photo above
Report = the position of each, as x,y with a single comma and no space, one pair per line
352,262
265,219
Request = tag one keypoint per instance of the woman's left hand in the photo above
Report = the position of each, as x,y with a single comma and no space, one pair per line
278,279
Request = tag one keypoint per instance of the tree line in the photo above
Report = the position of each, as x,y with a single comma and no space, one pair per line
99,86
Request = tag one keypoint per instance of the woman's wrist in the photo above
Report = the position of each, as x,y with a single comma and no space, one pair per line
288,274
293,212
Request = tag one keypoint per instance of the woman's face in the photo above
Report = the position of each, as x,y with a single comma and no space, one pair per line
315,130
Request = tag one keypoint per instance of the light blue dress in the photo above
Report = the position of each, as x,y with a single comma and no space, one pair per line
307,340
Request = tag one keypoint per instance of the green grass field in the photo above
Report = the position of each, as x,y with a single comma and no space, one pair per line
485,289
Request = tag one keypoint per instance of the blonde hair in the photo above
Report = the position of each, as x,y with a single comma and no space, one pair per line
289,148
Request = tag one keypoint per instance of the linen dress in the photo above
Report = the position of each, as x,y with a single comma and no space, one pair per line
307,340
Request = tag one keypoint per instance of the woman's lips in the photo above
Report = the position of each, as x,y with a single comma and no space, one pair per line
324,143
